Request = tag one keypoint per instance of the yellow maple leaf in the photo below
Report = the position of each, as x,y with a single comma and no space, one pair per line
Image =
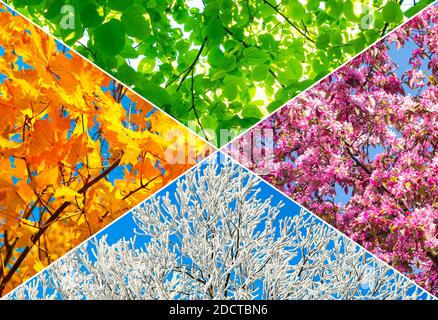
38,266
67,194
26,229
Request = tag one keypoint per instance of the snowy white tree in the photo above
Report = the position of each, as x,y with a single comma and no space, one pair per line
215,238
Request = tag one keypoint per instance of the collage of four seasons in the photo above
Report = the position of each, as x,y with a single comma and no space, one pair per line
239,152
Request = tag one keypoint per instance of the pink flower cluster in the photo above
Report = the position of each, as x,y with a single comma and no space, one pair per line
371,131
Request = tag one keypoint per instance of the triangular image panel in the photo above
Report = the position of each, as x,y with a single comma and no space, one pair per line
360,149
219,64
219,232
77,149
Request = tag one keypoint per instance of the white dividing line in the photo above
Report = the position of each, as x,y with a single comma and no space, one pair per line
110,224
109,75
329,225
326,76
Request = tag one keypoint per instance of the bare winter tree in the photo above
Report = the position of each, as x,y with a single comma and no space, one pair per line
215,238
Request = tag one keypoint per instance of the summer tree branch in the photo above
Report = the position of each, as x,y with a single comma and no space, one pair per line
289,21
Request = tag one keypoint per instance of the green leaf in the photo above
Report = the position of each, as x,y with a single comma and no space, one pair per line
109,38
226,5
147,65
32,2
252,111
390,11
308,19
334,8
359,43
209,122
119,5
129,50
323,40
155,93
228,63
219,74
230,45
318,66
90,17
135,22
255,56
372,35
220,110
248,122
215,31
294,69
215,55
295,10
230,91
313,5
260,72
54,8
348,11
266,11
274,106
127,74
378,20
303,85
336,38
234,80
235,106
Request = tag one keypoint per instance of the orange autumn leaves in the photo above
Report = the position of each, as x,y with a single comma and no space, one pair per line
77,150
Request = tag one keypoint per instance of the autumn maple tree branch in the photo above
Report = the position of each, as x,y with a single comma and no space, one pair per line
9,248
53,217
142,186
